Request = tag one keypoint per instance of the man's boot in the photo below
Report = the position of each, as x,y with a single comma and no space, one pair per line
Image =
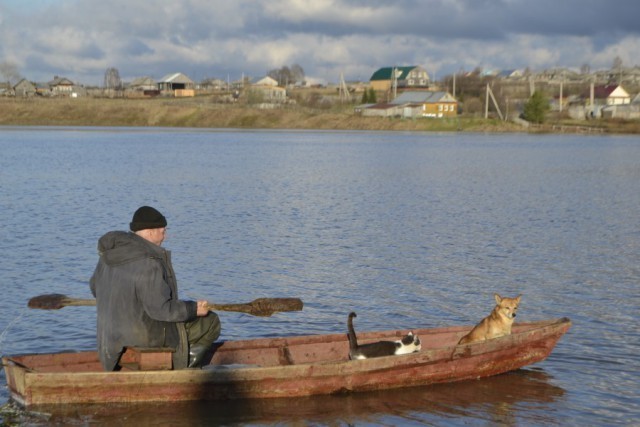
201,334
197,353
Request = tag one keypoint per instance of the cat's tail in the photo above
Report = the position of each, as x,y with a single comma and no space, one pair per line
353,341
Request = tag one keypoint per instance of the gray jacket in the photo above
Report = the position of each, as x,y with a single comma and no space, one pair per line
137,299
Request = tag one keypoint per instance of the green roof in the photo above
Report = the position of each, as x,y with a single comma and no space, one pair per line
387,72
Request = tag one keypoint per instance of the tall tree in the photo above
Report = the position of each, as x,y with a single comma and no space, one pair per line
372,96
536,108
365,97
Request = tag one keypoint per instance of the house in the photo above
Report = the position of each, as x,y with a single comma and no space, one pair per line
414,104
600,96
263,93
619,104
176,84
142,84
403,77
511,74
610,95
213,84
266,89
24,88
265,81
61,86
382,109
142,87
428,103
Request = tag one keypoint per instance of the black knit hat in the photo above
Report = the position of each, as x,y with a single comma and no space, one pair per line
147,217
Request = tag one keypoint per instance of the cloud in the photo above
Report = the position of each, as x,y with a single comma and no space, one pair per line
215,38
136,48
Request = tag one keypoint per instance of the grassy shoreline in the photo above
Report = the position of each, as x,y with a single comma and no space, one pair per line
201,112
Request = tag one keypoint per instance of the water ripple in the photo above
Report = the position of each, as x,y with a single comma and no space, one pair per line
408,230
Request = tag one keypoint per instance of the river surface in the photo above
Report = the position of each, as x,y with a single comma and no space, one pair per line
407,229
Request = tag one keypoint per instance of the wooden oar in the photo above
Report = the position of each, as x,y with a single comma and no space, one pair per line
258,307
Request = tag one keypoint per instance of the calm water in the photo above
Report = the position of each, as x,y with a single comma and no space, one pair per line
407,229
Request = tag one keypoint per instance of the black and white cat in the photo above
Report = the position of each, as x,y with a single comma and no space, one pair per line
408,344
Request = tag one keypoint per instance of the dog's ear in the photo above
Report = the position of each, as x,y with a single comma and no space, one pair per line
498,298
518,298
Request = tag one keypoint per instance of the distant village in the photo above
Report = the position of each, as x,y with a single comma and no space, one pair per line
406,91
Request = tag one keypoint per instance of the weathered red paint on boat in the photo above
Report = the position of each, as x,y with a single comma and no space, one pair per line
282,367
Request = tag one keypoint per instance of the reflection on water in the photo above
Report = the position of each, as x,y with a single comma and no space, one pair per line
503,400
410,230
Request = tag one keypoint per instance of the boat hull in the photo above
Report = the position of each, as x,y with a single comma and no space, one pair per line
282,367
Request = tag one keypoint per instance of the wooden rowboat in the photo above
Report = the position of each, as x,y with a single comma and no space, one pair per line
277,367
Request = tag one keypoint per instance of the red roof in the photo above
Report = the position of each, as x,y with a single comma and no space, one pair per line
602,92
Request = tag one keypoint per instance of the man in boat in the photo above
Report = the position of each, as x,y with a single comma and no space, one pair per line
137,297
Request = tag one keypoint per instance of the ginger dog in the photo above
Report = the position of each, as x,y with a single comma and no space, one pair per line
497,324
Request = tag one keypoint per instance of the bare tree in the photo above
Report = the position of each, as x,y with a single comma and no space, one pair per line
112,82
281,75
617,63
585,69
286,76
617,68
297,72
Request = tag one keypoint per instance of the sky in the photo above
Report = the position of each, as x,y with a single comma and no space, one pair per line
231,39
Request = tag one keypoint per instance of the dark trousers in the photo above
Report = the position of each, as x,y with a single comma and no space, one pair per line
201,334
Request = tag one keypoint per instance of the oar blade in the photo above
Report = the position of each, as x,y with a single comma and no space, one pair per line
265,307
48,302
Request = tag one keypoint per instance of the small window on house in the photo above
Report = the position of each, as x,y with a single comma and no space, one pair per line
439,107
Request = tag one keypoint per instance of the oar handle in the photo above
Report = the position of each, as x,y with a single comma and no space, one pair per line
80,302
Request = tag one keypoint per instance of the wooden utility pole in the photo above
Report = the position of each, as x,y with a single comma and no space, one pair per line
454,85
591,100
344,90
486,103
395,83
532,88
495,104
